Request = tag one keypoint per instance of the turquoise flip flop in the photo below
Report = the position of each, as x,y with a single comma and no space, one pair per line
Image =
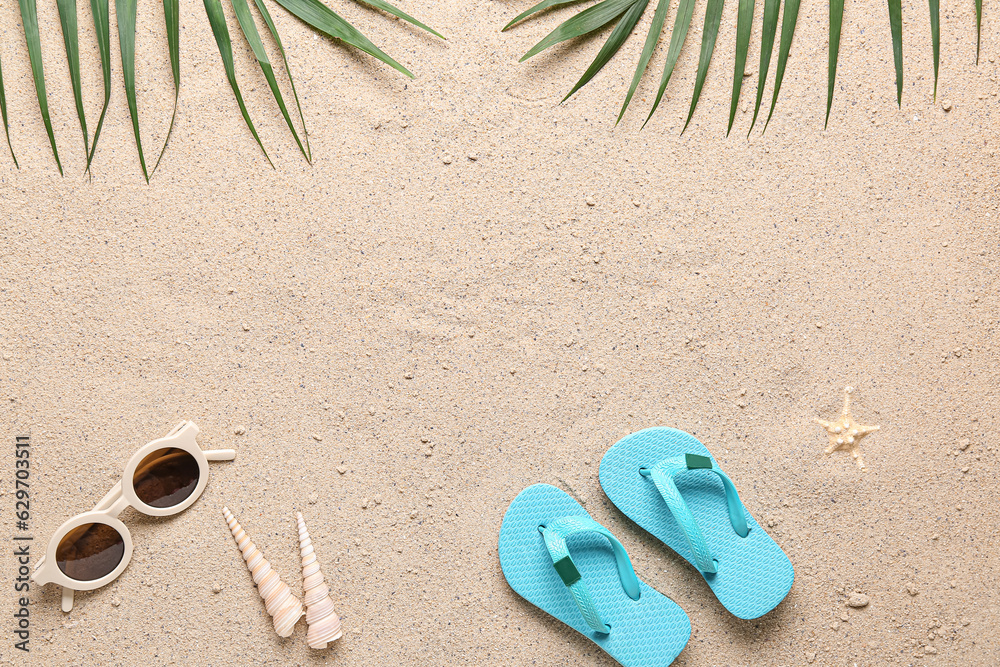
659,478
594,590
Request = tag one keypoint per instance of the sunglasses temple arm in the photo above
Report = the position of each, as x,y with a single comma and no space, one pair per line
220,454
67,599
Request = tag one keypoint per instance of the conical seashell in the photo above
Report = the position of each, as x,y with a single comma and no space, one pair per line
324,624
282,605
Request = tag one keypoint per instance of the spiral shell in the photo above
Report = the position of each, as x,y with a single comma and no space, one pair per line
282,605
324,624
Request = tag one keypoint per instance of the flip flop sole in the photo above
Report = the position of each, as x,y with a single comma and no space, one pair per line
647,632
754,574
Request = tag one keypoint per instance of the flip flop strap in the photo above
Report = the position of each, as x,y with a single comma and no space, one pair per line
662,474
555,534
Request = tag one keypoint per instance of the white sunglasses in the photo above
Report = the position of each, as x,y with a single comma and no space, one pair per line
163,478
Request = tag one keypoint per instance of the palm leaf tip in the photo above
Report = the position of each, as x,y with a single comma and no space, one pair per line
713,17
71,40
540,7
217,19
101,13
126,13
771,8
3,114
590,19
615,40
320,17
744,24
250,33
836,23
29,19
398,13
652,37
171,12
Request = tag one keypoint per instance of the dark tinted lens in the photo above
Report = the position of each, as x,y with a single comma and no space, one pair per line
90,551
166,477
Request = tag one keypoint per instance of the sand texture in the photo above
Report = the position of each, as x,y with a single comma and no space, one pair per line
475,289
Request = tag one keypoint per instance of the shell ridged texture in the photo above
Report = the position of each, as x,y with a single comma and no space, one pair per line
285,609
324,624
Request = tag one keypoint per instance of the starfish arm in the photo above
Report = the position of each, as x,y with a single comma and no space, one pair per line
847,404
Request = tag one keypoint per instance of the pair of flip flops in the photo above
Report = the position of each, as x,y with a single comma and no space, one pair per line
557,557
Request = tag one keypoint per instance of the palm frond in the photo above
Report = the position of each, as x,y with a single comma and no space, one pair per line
627,13
313,12
29,19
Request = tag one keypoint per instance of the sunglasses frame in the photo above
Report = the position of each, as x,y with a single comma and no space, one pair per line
121,496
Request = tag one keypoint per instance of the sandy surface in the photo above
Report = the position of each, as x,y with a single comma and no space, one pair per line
436,309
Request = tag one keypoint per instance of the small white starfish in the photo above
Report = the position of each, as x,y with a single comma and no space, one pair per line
845,433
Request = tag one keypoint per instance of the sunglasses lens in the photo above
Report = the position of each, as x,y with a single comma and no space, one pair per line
166,477
90,551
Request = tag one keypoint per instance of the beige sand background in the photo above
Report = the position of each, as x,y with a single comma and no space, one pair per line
401,337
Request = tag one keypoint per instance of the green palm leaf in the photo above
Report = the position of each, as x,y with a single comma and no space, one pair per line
3,112
682,22
771,8
171,11
896,28
587,21
610,48
541,6
789,18
836,22
125,10
281,49
744,23
218,20
713,16
102,27
29,19
659,17
71,38
935,6
389,9
253,39
324,19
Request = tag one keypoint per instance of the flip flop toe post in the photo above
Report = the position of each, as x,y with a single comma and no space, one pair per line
667,482
555,556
